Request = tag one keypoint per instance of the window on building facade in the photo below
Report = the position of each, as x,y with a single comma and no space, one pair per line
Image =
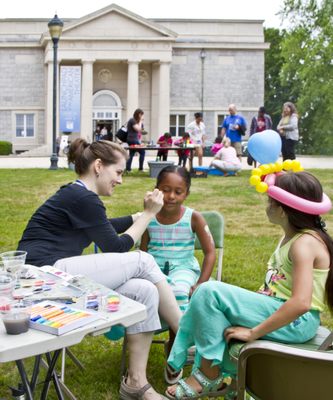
220,119
25,126
177,124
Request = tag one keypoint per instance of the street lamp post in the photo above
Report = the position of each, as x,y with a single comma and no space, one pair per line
55,28
202,56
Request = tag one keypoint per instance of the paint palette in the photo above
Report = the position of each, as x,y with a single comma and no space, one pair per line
58,318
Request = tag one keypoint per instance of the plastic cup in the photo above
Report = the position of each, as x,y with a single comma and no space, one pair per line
13,261
7,284
17,317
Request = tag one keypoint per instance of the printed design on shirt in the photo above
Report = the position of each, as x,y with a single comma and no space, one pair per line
273,275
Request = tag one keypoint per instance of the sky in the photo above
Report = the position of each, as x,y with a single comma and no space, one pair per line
196,9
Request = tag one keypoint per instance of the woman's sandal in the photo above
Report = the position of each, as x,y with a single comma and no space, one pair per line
210,388
127,392
171,376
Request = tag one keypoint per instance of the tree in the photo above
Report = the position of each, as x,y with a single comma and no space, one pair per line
275,92
307,52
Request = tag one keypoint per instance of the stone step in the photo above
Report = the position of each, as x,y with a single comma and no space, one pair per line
41,151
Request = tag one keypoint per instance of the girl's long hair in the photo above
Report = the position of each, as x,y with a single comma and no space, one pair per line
308,187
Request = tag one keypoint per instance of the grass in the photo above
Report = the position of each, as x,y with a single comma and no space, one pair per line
249,241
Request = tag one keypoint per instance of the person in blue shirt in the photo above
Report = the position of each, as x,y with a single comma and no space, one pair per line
234,127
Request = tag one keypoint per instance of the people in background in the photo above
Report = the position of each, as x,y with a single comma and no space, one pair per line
226,159
74,217
259,123
234,127
164,141
170,238
288,129
197,131
217,145
108,136
134,133
97,134
104,131
183,153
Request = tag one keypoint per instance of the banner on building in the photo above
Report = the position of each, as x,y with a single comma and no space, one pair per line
70,98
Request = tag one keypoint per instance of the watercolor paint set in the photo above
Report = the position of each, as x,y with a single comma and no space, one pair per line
59,318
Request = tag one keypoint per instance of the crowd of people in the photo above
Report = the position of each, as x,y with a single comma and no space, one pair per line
233,127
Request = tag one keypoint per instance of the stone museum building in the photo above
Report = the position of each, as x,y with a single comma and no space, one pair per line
113,61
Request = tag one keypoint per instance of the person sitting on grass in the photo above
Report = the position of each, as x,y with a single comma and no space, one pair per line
170,238
226,159
287,308
164,141
217,145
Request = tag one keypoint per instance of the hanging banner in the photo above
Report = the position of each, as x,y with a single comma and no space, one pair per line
70,98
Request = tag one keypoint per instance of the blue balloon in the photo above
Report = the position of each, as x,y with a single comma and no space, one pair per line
265,146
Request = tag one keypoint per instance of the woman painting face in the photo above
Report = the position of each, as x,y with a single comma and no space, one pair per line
109,176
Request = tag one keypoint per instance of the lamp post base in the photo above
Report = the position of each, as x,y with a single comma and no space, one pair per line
54,161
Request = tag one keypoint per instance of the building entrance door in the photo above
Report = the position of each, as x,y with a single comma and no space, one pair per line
107,110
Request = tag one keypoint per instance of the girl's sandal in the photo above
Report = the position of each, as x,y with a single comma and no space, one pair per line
171,376
210,388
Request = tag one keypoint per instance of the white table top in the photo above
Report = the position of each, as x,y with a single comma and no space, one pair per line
34,342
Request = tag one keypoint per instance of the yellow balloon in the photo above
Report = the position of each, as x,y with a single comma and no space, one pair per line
254,180
265,169
256,171
272,167
296,165
278,166
262,187
287,165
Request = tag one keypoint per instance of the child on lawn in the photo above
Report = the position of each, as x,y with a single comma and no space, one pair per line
183,154
164,141
170,238
298,283
217,146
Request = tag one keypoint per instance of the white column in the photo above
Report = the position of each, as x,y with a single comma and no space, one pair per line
164,98
155,88
132,88
49,108
86,100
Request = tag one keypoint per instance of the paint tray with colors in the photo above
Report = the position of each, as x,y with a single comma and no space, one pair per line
59,318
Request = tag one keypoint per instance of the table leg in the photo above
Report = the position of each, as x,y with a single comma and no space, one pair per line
51,375
191,161
24,378
35,373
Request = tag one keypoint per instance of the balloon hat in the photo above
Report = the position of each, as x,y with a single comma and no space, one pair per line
263,178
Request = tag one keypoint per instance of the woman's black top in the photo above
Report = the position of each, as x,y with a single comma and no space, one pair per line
68,222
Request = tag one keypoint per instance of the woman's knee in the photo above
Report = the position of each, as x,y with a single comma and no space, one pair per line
149,268
142,291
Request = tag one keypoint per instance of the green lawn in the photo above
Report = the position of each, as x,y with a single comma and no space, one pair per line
249,240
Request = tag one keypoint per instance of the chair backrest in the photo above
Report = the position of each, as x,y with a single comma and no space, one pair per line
215,222
271,371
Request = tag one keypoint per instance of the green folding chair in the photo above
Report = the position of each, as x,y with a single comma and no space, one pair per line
215,222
